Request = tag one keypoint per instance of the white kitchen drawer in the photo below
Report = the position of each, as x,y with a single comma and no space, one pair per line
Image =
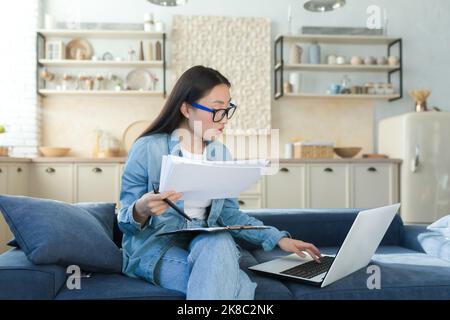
374,185
3,178
97,182
328,186
18,179
250,202
286,189
5,234
52,181
255,189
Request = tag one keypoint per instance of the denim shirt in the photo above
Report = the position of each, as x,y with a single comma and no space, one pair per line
141,248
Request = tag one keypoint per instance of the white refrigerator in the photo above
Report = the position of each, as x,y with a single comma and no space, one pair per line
422,141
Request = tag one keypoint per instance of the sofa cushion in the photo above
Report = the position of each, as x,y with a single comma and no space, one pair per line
267,288
100,211
435,244
101,286
54,232
21,280
442,226
405,274
117,287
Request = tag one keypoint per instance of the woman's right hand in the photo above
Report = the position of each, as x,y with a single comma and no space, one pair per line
151,204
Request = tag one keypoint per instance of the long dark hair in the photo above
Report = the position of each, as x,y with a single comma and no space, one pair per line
193,85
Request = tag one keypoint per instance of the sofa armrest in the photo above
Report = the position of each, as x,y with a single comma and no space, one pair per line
411,235
419,238
22,280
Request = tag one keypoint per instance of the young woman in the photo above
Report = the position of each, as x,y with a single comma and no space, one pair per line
204,266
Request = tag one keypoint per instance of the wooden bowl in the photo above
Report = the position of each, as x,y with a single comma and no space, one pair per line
54,151
347,152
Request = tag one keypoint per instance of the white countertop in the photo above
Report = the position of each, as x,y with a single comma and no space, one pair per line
124,159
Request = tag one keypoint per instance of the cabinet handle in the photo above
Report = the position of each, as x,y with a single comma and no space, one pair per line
372,169
19,169
97,170
241,203
50,170
284,170
328,170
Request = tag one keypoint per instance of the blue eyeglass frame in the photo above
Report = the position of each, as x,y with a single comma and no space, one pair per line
214,111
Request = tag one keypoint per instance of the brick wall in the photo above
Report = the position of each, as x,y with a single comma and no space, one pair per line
20,106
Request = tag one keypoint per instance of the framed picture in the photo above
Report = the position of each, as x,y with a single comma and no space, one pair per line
55,50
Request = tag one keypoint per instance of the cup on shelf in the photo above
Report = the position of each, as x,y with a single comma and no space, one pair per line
355,61
370,61
335,88
295,79
331,59
393,61
340,60
382,61
287,87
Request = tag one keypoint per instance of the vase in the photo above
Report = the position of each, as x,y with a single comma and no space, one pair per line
314,53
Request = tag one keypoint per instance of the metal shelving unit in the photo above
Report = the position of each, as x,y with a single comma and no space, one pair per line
281,66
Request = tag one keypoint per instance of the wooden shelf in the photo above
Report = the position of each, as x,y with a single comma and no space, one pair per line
99,64
338,68
49,93
340,39
101,34
342,96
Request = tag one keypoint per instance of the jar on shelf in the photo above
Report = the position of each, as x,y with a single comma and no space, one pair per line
149,23
369,88
389,88
66,82
379,88
99,82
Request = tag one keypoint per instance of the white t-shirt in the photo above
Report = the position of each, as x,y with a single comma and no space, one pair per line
195,209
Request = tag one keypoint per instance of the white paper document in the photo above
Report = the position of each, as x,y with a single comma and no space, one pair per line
205,180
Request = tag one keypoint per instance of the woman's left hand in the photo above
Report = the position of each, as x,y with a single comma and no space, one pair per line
298,247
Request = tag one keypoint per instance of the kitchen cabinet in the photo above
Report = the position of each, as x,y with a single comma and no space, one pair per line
253,198
333,185
97,182
52,181
374,185
3,178
286,189
18,179
14,180
328,186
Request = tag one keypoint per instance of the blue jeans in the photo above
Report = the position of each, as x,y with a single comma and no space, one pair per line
205,267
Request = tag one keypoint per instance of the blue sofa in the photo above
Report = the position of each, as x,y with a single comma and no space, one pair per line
407,272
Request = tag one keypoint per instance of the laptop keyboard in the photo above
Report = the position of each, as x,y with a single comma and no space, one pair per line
310,269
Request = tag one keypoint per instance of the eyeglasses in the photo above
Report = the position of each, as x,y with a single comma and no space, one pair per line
218,114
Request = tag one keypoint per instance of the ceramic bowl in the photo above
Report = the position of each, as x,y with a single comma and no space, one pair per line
347,152
54,151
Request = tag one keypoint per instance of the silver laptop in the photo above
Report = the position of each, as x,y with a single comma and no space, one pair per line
360,244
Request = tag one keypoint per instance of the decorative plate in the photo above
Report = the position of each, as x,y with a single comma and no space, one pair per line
139,79
133,132
79,44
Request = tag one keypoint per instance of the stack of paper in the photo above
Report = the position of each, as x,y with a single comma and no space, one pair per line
205,180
